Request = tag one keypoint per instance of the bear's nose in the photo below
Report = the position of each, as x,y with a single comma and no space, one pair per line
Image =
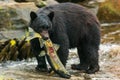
45,27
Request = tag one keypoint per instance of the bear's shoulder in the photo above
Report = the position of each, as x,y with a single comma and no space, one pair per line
63,7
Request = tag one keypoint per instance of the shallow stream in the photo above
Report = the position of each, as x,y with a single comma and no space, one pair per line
25,70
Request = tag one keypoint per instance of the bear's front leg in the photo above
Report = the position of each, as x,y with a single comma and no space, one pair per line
42,66
63,54
83,65
63,51
36,50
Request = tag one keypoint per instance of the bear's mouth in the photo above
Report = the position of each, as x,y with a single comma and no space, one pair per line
44,34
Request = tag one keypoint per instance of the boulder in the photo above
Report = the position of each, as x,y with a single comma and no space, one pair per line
40,3
109,11
14,18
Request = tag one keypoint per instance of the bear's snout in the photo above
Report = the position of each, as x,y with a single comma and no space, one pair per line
45,27
44,34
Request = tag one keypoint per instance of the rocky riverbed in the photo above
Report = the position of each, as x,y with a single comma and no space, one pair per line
25,70
109,63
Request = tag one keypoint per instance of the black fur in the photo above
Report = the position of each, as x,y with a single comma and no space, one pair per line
71,26
36,49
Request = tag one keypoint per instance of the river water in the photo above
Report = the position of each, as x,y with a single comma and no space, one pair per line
109,54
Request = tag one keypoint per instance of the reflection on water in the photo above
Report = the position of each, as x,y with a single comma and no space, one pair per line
110,33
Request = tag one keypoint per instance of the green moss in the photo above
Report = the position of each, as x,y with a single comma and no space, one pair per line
5,18
1,8
108,12
40,3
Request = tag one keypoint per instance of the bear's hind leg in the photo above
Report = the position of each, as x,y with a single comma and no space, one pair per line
83,65
91,57
88,55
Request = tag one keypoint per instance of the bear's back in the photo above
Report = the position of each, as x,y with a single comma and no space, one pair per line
64,8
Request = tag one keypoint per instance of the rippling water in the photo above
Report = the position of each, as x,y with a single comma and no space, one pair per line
110,33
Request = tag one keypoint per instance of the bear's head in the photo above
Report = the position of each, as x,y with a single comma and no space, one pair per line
41,23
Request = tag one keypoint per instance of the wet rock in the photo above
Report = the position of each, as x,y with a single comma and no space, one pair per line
51,2
40,3
92,5
14,17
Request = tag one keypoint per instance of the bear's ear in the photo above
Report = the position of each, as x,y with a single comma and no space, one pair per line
33,15
51,15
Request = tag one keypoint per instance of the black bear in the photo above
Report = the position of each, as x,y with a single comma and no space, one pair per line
69,25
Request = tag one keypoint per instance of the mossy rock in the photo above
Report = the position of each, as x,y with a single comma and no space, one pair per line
14,19
9,19
5,18
38,3
109,11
